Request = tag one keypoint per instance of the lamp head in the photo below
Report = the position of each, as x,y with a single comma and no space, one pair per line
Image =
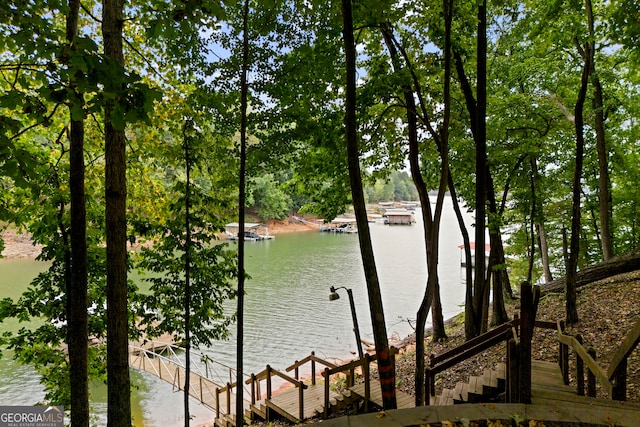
333,295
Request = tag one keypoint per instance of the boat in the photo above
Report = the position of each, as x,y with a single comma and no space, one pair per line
341,225
253,232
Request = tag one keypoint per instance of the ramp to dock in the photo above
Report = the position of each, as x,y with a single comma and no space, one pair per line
206,383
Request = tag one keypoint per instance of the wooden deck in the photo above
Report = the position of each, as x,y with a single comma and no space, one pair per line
287,402
403,400
552,402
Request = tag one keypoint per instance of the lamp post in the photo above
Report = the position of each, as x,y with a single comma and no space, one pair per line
334,296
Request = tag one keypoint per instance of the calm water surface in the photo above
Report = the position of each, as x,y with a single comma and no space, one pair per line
287,310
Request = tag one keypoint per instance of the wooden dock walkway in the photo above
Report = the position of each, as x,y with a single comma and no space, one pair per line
163,360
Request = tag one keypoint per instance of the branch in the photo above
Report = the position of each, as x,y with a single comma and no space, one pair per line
563,108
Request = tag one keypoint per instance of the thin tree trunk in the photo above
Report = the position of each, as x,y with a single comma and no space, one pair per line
604,183
187,281
77,338
118,382
481,294
501,283
574,244
386,367
499,312
540,229
244,90
544,251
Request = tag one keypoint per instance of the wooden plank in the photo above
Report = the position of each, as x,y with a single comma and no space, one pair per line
403,400
628,345
287,402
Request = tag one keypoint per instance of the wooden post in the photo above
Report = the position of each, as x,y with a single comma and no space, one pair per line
351,377
432,363
367,382
301,400
313,370
326,393
268,382
253,389
591,378
580,369
619,391
560,356
427,386
295,372
565,363
229,399
513,376
528,317
217,402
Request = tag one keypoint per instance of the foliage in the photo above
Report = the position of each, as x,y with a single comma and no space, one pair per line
269,199
211,265
397,187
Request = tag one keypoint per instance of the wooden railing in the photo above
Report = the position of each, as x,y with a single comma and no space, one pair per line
349,370
267,375
614,380
313,360
516,335
441,362
227,390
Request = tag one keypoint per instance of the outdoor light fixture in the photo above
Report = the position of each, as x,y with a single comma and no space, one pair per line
334,296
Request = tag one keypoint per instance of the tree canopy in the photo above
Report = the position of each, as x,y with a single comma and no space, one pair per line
530,119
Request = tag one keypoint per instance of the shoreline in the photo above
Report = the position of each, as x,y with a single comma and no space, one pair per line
20,245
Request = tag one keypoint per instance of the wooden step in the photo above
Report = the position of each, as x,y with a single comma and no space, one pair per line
501,375
460,393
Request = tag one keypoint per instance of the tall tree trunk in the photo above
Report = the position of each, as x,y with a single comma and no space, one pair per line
544,251
386,366
118,382
604,183
481,283
498,272
431,221
187,279
244,90
77,334
499,312
574,244
540,229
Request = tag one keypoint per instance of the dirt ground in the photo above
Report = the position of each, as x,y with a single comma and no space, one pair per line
19,245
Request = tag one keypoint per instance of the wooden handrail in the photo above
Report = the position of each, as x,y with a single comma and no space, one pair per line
265,374
626,348
310,358
313,359
588,361
474,343
471,348
349,369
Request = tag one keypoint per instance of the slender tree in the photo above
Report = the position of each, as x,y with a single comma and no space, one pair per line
118,381
77,285
574,244
244,91
386,366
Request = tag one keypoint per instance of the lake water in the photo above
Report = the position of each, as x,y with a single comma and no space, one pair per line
287,309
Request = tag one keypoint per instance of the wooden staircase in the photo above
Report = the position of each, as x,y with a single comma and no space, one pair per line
486,387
